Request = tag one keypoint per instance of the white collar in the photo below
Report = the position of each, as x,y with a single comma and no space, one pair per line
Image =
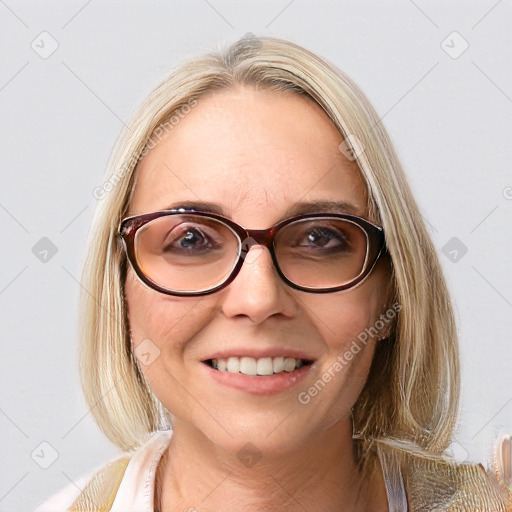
136,492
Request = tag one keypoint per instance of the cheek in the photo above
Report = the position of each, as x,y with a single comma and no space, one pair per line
343,321
162,330
346,321
144,307
168,322
348,316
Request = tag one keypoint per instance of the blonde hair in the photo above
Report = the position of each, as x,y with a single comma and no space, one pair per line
410,400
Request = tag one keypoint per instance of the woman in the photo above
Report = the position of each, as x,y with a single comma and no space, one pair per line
265,322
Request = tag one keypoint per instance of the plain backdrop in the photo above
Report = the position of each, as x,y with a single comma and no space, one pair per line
71,74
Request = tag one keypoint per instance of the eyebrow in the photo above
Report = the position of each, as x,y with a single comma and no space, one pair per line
300,208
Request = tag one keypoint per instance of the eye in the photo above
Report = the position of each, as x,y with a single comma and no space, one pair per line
190,239
324,237
193,238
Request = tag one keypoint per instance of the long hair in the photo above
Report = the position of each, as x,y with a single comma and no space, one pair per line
410,399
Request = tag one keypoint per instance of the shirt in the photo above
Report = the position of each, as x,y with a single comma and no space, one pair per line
127,484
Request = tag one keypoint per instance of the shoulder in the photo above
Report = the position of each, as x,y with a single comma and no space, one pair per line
99,489
100,482
452,486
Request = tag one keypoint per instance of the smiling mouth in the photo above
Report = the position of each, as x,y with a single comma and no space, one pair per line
265,366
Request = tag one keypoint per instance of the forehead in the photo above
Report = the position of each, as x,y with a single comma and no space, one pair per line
254,153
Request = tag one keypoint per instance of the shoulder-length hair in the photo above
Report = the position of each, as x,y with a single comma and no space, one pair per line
411,395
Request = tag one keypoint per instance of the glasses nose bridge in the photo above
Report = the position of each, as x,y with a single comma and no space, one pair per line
263,237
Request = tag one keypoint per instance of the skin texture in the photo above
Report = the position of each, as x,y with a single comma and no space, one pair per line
255,154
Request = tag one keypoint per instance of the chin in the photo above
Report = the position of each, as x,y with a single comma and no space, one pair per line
267,432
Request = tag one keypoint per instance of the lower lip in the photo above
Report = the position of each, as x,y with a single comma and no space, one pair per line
259,384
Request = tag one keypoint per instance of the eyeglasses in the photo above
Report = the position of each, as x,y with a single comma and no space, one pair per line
190,252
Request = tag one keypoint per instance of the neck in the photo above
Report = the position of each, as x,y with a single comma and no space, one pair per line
197,475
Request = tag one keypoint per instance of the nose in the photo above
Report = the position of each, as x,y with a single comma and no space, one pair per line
258,292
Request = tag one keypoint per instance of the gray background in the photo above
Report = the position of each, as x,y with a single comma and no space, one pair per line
447,110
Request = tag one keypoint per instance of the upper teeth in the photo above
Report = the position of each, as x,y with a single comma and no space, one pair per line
252,366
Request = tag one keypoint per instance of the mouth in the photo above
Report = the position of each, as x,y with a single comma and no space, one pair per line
261,367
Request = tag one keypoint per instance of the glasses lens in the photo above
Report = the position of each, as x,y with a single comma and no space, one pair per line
186,252
321,252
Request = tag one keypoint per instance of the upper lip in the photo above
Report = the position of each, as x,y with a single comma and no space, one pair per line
258,353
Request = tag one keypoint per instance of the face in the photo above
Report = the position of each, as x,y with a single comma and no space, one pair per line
255,154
